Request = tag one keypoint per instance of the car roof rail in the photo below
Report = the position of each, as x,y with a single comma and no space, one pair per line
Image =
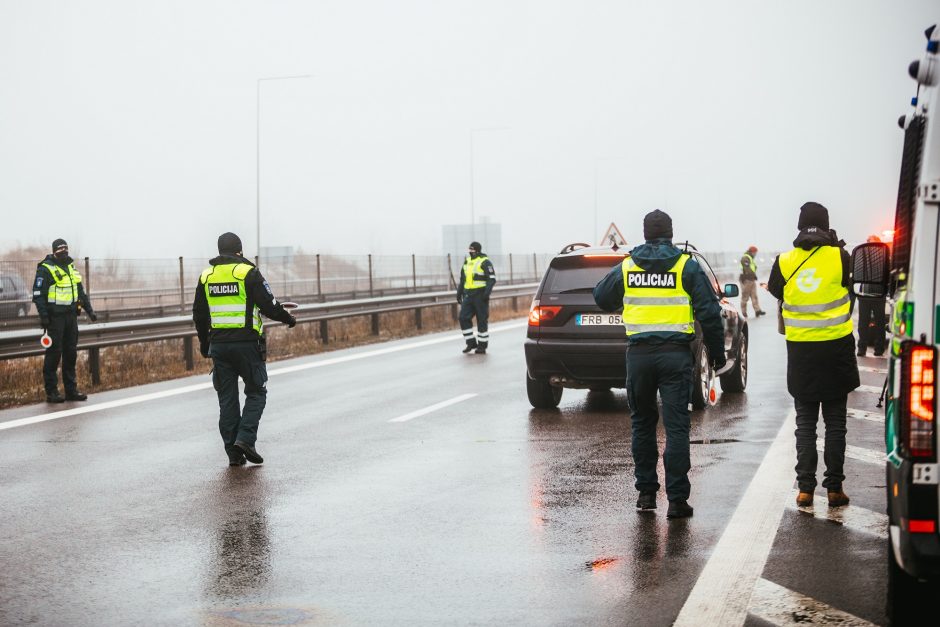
572,247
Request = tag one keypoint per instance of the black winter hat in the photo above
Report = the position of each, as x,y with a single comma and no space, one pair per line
229,243
813,214
59,242
475,246
657,225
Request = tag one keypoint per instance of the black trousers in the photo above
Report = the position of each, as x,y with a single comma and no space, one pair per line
63,329
834,416
231,361
871,324
475,303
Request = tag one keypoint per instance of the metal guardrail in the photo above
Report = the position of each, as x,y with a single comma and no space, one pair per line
93,337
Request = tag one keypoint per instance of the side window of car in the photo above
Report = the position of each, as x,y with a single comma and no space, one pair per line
8,288
708,272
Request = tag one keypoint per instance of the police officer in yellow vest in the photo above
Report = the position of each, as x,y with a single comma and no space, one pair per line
59,297
230,298
662,293
477,278
815,287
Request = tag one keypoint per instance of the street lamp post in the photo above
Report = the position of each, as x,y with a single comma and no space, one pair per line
473,131
258,154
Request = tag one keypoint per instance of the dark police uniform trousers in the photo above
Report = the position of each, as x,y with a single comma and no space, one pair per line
230,361
63,329
667,368
475,303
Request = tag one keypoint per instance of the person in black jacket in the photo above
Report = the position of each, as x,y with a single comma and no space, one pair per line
59,296
669,292
229,299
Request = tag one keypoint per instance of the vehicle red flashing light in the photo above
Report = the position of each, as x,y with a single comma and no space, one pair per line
921,381
542,313
922,526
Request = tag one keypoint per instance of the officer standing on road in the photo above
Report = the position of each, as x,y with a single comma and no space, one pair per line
749,283
59,297
871,319
227,308
477,278
662,291
814,284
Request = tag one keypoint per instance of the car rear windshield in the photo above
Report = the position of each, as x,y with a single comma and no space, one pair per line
579,274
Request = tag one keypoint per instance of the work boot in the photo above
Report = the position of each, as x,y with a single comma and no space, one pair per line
646,502
760,313
250,453
235,456
861,352
54,397
480,350
75,396
470,346
838,498
679,509
804,499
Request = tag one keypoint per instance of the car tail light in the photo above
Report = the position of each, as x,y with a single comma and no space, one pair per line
542,313
921,526
918,402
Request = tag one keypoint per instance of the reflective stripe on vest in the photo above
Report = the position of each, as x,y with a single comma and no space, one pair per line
656,301
816,306
751,262
64,288
228,298
473,276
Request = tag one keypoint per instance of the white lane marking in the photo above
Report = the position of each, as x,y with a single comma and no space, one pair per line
857,453
722,592
784,607
143,398
434,407
849,516
870,369
871,389
861,414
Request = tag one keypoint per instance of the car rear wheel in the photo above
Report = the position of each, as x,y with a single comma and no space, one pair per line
701,380
542,394
735,380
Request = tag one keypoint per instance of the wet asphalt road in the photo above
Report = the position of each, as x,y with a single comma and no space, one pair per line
483,511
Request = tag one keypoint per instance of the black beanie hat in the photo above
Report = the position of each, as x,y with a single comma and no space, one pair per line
657,225
475,246
813,214
229,243
59,242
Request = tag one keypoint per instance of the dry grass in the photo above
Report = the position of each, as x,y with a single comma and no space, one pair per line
136,364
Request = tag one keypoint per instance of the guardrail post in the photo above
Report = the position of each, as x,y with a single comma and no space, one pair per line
414,276
450,274
370,275
183,296
375,324
86,280
324,332
515,303
510,268
319,288
418,317
453,312
535,266
94,365
188,351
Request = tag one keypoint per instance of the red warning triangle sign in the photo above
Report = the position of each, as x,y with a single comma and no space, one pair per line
613,237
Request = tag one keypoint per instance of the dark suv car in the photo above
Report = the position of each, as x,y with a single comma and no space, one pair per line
572,343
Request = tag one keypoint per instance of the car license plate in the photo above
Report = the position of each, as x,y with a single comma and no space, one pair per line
591,320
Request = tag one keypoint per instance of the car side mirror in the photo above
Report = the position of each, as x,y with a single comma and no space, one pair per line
871,269
731,290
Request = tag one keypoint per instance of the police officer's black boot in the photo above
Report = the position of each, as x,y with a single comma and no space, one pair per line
481,348
75,395
54,397
471,344
235,456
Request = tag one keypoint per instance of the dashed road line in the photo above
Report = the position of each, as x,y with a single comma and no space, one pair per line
871,389
857,453
870,369
432,408
851,517
781,606
870,416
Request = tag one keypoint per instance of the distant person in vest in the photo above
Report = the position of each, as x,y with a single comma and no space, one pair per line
477,278
748,279
59,297
815,288
227,308
662,292
871,319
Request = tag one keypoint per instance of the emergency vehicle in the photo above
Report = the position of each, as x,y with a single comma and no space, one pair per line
910,277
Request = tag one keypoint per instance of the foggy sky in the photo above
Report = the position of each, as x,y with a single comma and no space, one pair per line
129,128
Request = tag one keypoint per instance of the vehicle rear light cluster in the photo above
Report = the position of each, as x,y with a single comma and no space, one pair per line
542,313
921,526
918,402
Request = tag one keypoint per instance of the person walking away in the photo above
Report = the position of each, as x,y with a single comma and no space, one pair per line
662,291
59,297
814,284
230,298
871,320
477,278
748,280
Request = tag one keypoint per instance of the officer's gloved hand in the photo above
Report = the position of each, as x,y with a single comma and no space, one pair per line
459,298
44,322
292,323
93,316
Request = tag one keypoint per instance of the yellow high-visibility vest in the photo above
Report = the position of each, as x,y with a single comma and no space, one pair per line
228,298
656,301
64,289
751,263
473,276
816,305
